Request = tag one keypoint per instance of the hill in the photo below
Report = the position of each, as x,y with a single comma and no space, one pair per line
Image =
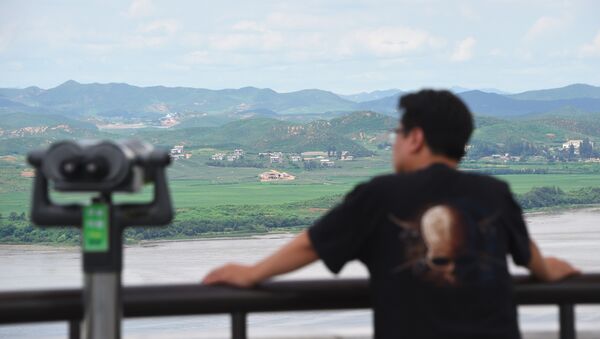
387,105
22,132
265,134
369,96
363,122
503,106
12,121
275,135
496,105
122,100
568,92
524,131
571,120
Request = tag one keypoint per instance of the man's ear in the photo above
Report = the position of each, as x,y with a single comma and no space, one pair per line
416,139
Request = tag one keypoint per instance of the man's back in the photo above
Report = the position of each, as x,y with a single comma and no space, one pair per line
435,243
434,239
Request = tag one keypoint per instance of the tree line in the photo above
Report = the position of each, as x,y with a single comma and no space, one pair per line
253,219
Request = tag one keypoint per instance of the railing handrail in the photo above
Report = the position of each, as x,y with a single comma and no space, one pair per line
274,296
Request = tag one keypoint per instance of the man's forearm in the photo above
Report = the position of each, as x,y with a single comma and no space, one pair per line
537,265
298,253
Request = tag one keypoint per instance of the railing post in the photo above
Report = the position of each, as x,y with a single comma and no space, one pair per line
238,325
74,329
567,321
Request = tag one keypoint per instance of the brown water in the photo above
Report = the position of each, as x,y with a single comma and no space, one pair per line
573,235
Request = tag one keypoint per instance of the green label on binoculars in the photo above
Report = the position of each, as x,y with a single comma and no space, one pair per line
95,228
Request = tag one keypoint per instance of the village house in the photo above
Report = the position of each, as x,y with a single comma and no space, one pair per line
313,156
28,173
218,157
177,152
169,120
327,163
508,158
345,156
295,158
576,145
235,155
273,175
275,157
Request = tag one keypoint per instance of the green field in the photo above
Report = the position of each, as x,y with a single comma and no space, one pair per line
193,184
217,201
200,193
197,193
521,183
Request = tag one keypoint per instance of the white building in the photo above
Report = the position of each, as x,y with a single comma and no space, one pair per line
177,149
218,156
327,163
307,156
177,152
273,175
575,143
345,156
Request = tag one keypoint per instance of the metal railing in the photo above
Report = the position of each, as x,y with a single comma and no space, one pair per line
172,300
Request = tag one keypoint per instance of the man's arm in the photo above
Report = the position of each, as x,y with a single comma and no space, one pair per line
548,268
297,253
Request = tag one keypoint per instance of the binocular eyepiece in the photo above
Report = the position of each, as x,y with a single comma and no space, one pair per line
102,167
99,166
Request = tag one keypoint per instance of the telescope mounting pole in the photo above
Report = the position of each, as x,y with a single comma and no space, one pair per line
104,167
102,270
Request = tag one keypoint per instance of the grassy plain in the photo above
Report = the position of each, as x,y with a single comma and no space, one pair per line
521,183
195,185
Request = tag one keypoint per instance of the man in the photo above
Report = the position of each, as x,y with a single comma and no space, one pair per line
433,238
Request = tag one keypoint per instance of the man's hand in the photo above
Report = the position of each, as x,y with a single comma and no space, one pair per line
559,269
295,254
548,268
232,274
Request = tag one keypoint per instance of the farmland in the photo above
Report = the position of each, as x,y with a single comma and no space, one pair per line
195,185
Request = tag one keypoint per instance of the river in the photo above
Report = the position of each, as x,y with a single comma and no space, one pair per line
573,235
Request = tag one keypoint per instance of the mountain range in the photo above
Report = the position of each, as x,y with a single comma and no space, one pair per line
264,134
262,119
117,100
258,134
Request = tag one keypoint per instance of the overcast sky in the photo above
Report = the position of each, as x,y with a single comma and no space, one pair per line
342,46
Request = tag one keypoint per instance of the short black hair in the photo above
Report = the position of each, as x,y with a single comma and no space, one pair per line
446,121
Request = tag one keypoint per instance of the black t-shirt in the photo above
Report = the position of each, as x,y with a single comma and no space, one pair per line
435,243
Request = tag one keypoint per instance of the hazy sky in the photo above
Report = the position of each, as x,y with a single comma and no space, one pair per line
343,46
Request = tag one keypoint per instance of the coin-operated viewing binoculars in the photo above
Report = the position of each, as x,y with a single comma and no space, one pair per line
102,167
